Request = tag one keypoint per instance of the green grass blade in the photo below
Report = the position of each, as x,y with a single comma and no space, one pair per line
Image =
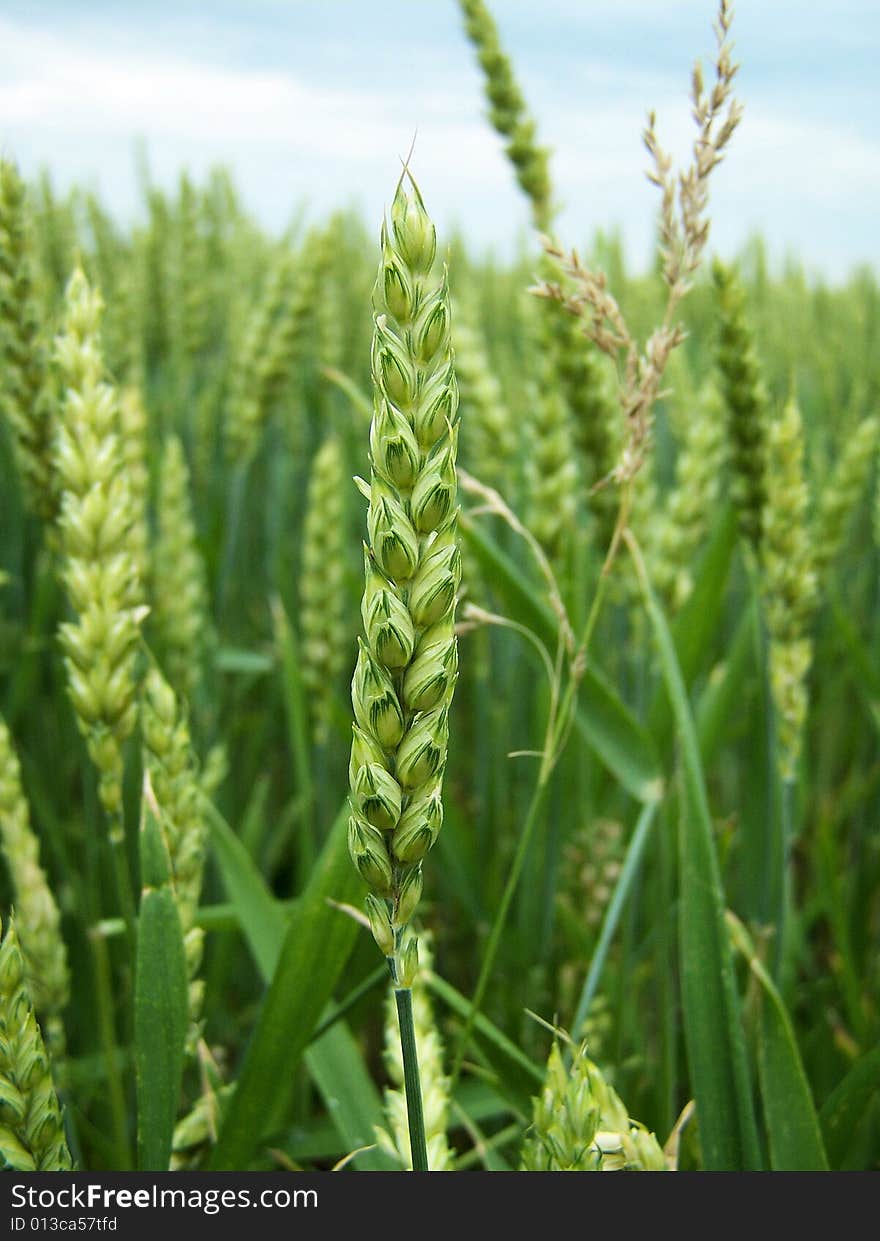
603,720
610,729
161,1000
847,1104
298,729
792,1125
610,922
695,628
334,1061
336,1066
160,1025
863,667
718,703
518,1078
713,1031
317,944
234,660
260,916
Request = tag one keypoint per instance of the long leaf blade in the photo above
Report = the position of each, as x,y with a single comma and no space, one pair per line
603,720
792,1125
160,1025
713,1031
847,1104
317,944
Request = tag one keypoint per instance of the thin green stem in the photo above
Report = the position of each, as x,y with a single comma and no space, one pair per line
345,1005
411,1081
783,894
560,724
612,914
235,506
558,729
500,922
115,1092
124,889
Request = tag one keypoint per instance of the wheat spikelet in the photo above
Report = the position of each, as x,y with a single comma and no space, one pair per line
491,439
592,408
552,474
272,345
675,538
45,954
171,764
508,112
746,399
25,400
31,1128
435,1083
407,666
191,274
155,279
99,564
788,581
178,587
580,1124
133,451
322,594
842,492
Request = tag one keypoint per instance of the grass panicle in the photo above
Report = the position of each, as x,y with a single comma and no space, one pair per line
684,233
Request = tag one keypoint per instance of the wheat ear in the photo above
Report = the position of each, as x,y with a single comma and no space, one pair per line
408,660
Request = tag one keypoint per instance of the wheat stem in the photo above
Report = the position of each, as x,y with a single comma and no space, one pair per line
412,1084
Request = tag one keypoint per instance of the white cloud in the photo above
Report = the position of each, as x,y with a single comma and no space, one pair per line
290,136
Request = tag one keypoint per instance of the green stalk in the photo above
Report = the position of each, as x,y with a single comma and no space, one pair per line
345,1005
107,1034
234,509
610,922
557,734
122,874
500,922
710,1000
411,1082
783,893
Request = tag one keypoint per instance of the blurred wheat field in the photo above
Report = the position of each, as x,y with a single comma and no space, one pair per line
649,924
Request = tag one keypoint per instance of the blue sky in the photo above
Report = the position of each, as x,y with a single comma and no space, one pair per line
315,101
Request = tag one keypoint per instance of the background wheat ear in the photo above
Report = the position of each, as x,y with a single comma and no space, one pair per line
26,397
46,968
32,1137
579,1123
